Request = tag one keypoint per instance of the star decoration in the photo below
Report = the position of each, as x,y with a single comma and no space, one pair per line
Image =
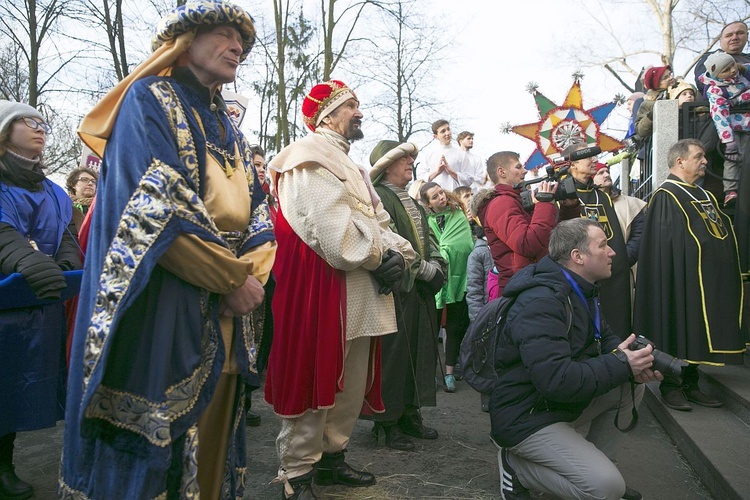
560,125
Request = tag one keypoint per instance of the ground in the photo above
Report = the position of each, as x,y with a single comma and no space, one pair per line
460,464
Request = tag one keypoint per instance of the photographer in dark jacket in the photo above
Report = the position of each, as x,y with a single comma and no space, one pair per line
560,367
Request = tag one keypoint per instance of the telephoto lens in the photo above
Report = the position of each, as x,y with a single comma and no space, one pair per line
663,362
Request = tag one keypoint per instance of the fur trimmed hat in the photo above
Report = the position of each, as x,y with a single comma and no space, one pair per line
718,62
681,87
12,110
386,153
652,77
323,99
196,13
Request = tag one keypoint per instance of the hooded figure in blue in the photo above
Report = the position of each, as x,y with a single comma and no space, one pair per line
181,243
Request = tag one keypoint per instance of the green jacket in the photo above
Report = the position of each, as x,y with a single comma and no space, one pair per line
456,243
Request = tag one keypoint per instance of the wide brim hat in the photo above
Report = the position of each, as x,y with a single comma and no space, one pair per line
323,99
197,13
11,111
386,153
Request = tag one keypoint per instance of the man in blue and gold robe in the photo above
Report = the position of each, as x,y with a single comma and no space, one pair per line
181,243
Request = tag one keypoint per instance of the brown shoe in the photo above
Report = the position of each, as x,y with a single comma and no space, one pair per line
701,398
676,400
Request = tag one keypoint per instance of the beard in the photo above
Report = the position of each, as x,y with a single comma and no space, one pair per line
354,133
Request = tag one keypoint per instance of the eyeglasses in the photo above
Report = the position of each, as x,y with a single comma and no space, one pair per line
33,124
86,180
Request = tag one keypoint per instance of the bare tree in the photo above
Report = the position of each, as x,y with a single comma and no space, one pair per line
685,28
14,77
107,16
291,66
29,25
401,63
348,17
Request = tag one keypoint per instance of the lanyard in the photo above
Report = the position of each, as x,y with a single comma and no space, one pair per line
596,318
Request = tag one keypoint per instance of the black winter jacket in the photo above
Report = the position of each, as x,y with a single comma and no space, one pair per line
547,374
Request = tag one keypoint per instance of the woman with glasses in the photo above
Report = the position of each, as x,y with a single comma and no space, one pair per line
36,242
81,186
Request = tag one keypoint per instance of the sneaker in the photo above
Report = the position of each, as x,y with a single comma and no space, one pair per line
730,198
631,494
510,486
450,383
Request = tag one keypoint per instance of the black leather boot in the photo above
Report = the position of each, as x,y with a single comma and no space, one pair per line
411,424
333,470
388,434
302,488
691,390
12,487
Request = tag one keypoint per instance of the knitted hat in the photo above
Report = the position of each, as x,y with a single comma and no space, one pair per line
386,153
323,99
681,87
197,13
718,62
600,165
653,76
11,111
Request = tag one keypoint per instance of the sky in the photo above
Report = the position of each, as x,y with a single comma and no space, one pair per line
496,48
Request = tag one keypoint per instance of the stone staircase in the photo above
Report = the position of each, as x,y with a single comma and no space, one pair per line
715,441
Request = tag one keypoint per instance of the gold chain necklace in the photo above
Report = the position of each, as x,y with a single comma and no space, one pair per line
223,152
227,156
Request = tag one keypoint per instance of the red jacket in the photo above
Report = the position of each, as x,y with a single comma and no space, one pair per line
516,237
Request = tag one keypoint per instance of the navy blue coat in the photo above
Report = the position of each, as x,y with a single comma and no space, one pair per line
549,372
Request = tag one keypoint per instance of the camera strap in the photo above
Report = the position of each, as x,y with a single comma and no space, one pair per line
634,411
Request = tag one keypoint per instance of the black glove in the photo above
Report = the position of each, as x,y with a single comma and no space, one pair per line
390,272
68,255
437,282
43,275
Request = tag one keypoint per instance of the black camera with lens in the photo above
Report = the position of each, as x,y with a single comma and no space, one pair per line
663,362
558,172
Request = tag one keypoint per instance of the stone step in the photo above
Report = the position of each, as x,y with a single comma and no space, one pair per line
715,442
730,384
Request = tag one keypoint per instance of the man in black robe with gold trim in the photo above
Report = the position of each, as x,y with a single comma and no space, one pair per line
688,297
597,205
409,357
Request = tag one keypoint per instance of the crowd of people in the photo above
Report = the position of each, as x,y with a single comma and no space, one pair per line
207,269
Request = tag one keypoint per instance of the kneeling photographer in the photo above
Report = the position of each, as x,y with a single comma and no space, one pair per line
561,368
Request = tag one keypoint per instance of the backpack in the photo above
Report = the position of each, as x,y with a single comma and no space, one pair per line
477,354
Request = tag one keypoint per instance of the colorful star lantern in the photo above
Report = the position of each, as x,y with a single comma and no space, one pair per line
559,126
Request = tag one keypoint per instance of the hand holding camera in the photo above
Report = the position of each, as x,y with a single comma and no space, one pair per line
545,192
647,362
